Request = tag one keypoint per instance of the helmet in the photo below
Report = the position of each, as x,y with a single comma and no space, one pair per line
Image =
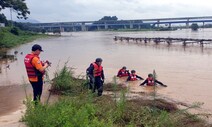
150,75
98,59
132,71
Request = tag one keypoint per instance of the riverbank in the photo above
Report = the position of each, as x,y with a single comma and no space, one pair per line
13,119
11,37
117,107
134,101
15,107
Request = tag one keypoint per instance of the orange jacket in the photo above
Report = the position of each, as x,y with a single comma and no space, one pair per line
97,70
150,81
133,77
33,64
122,73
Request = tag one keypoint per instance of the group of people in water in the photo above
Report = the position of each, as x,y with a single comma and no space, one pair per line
150,81
96,76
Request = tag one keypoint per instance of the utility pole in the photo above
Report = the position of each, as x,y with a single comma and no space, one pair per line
11,16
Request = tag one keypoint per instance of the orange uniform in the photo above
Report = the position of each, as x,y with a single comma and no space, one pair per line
34,61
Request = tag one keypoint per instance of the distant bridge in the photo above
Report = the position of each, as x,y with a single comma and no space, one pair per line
125,24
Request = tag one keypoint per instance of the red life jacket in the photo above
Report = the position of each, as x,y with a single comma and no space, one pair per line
97,70
122,73
32,72
150,82
132,77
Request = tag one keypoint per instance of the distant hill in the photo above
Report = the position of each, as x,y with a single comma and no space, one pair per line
28,21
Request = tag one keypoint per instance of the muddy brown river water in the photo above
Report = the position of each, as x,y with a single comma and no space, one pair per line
186,70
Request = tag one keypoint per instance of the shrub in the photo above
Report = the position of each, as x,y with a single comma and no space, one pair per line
14,31
63,79
65,83
68,112
194,26
43,31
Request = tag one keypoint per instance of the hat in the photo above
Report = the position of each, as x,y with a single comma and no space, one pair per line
98,59
36,47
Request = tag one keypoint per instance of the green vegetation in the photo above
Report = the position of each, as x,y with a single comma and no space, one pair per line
109,18
65,83
78,107
194,26
10,37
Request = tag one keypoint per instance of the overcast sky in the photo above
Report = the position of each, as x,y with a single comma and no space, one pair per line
90,10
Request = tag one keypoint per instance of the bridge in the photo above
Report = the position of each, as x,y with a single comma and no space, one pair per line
124,24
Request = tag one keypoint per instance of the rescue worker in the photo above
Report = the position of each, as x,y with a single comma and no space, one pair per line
123,72
35,71
133,76
96,74
151,82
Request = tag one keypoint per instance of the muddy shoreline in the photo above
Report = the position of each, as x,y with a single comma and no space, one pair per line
11,98
12,106
13,109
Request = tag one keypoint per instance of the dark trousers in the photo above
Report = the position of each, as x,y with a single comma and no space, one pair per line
98,84
91,82
37,89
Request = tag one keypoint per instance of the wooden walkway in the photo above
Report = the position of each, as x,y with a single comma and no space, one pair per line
168,40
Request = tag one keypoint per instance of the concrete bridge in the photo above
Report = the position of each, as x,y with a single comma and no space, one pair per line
125,24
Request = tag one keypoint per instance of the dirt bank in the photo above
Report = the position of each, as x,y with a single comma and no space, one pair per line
12,107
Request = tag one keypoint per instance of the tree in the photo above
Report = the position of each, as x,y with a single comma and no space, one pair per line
106,18
3,19
17,5
194,26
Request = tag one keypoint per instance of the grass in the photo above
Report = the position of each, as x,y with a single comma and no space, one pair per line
9,40
65,83
78,107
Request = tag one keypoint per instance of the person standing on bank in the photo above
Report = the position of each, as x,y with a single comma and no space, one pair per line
35,71
96,74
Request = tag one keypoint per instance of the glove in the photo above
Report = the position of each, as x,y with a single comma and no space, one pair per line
103,81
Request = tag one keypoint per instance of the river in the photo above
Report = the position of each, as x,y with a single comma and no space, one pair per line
186,70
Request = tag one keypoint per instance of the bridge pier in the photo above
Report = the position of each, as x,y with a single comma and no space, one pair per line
203,24
170,25
74,29
83,27
61,29
158,25
106,25
98,28
187,23
139,26
131,25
